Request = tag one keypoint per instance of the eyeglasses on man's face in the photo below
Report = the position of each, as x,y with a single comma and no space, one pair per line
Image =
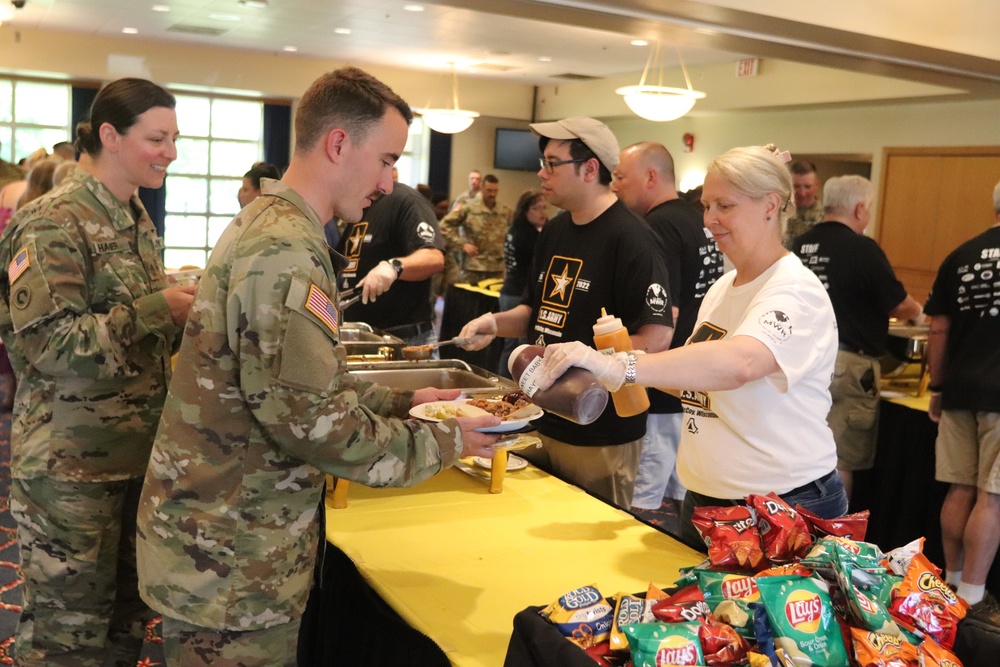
550,165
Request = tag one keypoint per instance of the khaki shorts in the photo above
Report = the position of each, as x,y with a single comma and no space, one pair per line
968,449
853,416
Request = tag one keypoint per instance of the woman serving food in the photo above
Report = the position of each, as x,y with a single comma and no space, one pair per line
754,376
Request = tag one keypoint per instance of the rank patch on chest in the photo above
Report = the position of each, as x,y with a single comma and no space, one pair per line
18,265
319,304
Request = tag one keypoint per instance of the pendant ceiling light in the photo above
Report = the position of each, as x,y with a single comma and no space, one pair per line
660,103
449,121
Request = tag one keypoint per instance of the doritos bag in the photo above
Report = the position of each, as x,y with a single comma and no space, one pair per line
731,536
783,532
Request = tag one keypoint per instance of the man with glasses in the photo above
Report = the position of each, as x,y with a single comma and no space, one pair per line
594,255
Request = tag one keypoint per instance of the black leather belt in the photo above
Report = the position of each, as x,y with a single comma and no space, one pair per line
410,330
820,482
851,348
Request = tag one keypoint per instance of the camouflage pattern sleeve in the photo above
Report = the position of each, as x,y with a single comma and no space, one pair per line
81,323
451,227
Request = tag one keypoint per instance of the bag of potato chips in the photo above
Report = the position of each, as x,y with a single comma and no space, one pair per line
783,531
731,536
874,649
803,621
582,615
659,644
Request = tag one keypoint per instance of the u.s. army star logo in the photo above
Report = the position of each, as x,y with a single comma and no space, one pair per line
22,297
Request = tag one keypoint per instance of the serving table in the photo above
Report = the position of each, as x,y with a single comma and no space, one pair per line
456,564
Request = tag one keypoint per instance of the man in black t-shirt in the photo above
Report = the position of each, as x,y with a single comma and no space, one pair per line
595,254
865,293
964,357
396,245
644,181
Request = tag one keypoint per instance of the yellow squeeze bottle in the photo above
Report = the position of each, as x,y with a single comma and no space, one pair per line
610,336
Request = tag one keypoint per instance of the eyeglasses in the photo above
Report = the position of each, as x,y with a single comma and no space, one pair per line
549,165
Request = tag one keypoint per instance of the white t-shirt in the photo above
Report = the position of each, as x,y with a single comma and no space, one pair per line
770,434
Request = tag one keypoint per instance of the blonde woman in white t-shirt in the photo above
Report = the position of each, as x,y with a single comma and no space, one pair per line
754,376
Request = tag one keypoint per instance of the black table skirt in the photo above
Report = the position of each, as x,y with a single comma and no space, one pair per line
460,306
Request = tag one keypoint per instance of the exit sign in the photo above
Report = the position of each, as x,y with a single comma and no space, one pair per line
747,67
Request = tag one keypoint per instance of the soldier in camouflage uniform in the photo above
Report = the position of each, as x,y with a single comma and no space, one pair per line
90,324
808,204
261,404
477,230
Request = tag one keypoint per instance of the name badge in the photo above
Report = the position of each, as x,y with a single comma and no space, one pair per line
103,247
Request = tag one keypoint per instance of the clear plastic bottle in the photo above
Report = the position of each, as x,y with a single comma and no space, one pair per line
611,336
577,396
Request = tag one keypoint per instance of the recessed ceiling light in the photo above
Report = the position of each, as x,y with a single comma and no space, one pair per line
639,42
160,8
290,49
544,59
230,18
130,31
342,31
256,4
413,8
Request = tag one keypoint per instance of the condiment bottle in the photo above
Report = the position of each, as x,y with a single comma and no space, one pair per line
611,336
577,395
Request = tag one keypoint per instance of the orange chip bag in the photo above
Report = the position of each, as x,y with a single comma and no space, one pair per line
925,603
931,654
731,536
877,649
783,531
654,593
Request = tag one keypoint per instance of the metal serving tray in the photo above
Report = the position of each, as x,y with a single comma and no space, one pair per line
362,341
441,373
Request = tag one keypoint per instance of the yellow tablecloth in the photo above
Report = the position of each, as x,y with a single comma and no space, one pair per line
458,563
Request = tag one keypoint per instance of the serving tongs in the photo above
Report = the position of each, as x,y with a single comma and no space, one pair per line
348,297
421,352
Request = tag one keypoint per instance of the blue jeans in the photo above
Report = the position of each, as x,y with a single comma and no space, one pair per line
657,476
824,497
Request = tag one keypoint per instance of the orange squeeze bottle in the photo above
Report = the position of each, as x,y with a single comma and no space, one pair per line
610,336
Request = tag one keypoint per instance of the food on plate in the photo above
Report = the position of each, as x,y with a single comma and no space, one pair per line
448,411
502,408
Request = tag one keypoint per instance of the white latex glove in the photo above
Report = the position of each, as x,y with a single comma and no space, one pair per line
609,369
378,280
486,328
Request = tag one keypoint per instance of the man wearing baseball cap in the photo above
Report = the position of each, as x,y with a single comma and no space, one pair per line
595,254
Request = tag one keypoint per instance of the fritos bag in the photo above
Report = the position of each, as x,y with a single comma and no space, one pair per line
926,604
582,615
731,536
803,621
783,532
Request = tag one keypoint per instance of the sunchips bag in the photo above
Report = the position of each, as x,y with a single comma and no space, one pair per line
582,615
660,644
803,621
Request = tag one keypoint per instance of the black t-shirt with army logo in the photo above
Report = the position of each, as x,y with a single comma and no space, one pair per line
395,225
613,263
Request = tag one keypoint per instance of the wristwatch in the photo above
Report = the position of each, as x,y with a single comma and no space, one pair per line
629,369
397,266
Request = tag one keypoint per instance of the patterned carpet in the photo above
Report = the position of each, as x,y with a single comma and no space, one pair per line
10,580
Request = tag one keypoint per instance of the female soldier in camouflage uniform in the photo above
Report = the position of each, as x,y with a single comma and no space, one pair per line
90,324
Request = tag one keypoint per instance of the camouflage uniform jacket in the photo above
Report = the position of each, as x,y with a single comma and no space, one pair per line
803,220
88,332
261,406
484,228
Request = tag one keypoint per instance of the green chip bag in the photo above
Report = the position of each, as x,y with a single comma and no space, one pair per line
657,644
728,595
803,621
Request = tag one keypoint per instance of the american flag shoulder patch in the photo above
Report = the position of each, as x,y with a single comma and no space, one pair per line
18,265
319,304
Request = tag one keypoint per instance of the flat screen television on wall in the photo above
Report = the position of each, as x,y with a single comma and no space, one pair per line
516,150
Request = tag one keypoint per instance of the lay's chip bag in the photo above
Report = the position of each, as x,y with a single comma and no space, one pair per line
582,615
728,595
803,620
662,644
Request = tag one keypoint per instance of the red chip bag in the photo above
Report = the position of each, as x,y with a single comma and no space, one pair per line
851,526
783,532
687,604
721,644
926,604
732,537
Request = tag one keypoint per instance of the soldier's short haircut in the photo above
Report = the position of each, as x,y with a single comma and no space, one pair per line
120,103
490,178
803,167
348,98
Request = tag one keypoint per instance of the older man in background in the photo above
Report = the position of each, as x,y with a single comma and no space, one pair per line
644,181
476,231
